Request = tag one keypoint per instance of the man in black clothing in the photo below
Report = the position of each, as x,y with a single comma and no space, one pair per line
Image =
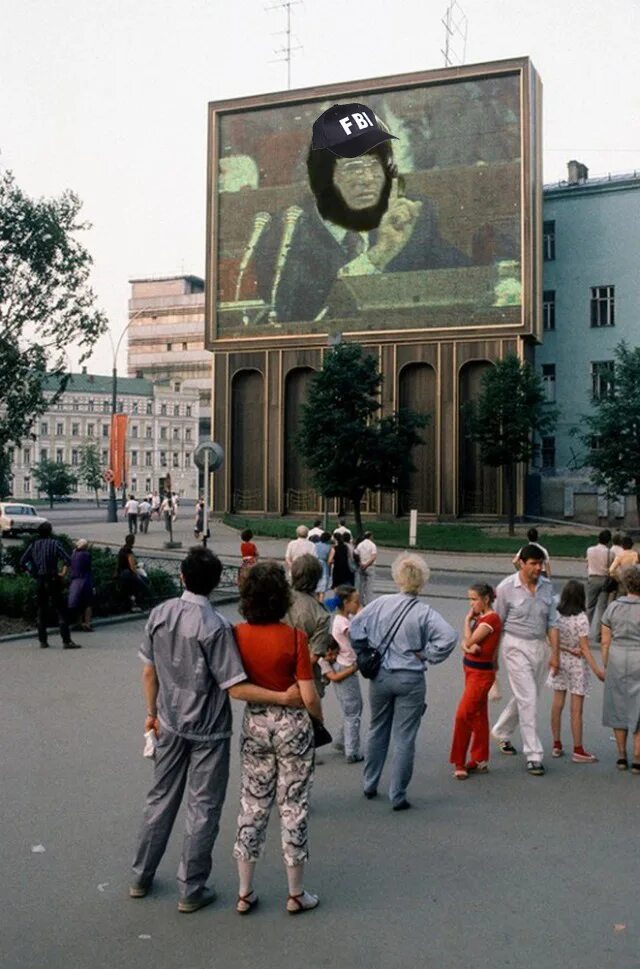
41,560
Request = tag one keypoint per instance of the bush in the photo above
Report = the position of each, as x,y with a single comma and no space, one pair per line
18,597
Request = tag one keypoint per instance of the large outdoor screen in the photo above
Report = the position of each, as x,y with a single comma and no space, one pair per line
447,252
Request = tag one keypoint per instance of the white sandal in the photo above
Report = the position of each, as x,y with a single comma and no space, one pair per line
304,902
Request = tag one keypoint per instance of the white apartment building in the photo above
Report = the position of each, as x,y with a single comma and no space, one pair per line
162,432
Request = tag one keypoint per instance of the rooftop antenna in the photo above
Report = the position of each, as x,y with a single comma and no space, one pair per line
287,49
455,35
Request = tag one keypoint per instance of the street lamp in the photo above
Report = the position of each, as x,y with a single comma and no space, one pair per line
112,507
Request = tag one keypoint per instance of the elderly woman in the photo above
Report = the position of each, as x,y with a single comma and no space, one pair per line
276,746
408,633
306,613
81,592
621,659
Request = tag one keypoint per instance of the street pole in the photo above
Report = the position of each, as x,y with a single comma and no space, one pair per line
112,511
205,517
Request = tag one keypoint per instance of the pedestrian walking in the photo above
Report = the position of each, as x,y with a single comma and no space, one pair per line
191,667
342,567
482,627
366,555
573,675
155,505
532,539
300,545
276,745
248,554
341,669
621,658
133,584
81,589
598,561
131,510
166,512
324,554
409,634
198,524
526,605
144,515
43,560
315,531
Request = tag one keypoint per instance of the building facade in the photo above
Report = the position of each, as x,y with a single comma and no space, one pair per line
166,336
591,302
162,432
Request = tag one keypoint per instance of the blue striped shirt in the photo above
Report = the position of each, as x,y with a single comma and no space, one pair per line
423,632
44,555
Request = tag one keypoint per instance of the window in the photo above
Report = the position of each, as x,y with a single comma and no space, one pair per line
549,309
75,404
163,410
176,410
134,407
601,379
549,380
163,433
176,459
149,407
90,429
163,459
148,459
602,305
44,454
106,407
90,405
176,385
148,432
549,241
27,486
176,434
187,460
187,434
44,428
185,346
134,485
59,429
121,407
147,485
188,410
105,430
75,430
548,452
169,346
139,374
105,457
134,430
59,456
134,459
26,457
75,457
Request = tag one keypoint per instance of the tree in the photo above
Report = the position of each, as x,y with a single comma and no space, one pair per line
511,409
56,480
90,469
348,448
611,432
46,303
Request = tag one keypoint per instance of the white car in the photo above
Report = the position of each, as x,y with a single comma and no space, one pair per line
17,517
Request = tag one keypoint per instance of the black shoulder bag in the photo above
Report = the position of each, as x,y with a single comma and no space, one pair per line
369,658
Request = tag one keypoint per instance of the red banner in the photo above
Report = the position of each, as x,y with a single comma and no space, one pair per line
117,449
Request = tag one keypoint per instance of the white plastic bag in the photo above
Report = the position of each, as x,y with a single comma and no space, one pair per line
150,741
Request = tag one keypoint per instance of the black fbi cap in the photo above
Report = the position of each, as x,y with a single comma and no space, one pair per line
348,130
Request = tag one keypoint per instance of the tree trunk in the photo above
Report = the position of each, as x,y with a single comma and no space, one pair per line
357,501
511,498
51,501
97,498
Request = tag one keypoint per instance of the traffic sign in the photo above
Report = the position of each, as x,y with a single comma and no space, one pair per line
215,453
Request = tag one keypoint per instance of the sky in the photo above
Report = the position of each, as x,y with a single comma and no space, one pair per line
110,99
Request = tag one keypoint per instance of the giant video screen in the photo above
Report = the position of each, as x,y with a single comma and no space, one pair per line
446,253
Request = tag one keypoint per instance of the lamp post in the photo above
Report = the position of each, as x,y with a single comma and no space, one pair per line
112,507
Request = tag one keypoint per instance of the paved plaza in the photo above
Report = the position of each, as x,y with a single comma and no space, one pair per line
503,870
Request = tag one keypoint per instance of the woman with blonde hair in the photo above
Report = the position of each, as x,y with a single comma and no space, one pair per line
408,634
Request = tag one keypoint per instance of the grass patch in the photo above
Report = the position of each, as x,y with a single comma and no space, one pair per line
437,537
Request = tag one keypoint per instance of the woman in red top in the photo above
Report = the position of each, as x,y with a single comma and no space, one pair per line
482,629
276,746
248,554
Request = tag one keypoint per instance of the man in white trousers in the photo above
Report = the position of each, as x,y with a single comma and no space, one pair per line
530,646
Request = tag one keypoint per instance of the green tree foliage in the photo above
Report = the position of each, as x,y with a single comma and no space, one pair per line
511,409
348,447
610,434
46,303
90,469
56,480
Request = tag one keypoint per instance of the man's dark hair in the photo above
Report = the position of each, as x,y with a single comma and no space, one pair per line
344,592
45,530
246,535
627,542
572,599
129,540
325,537
321,165
265,596
201,570
604,537
532,534
531,552
317,523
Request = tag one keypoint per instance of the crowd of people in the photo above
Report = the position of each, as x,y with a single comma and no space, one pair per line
153,507
343,561
303,631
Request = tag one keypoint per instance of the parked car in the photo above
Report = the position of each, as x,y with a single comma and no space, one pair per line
16,517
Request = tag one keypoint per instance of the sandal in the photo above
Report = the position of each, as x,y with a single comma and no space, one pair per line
303,902
477,767
246,903
460,774
622,763
635,768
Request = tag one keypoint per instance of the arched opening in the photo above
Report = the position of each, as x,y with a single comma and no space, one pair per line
417,391
478,483
247,441
299,493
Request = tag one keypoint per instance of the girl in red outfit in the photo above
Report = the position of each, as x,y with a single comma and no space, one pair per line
481,637
248,554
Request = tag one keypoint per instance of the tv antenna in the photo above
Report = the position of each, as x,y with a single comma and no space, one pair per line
287,49
455,35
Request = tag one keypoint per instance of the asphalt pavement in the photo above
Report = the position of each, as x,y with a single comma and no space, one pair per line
502,870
